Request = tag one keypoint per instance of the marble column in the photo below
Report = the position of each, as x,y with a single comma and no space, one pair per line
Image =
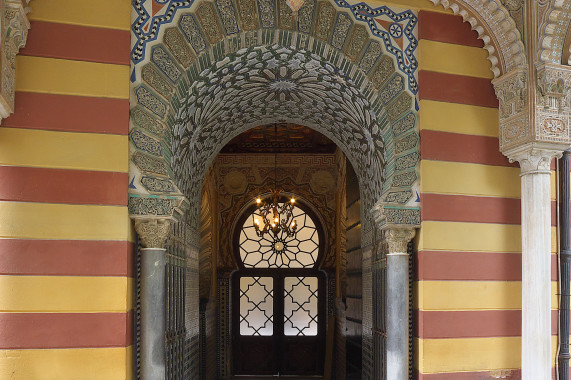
398,302
153,234
536,263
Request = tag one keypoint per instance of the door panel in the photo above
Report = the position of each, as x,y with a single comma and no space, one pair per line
279,319
301,356
255,355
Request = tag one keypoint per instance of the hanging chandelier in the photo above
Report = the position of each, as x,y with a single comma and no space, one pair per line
276,216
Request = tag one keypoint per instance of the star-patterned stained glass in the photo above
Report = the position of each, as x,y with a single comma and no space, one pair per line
279,250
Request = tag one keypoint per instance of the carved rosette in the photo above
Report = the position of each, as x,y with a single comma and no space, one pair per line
153,232
398,239
512,92
15,27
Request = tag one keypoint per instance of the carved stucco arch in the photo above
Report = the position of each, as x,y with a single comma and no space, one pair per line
554,18
221,67
495,27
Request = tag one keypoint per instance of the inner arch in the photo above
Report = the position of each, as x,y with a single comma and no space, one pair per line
274,83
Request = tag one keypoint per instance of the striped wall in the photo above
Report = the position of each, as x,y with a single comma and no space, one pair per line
66,245
468,288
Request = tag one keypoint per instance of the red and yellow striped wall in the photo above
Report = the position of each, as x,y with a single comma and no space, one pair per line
468,289
66,245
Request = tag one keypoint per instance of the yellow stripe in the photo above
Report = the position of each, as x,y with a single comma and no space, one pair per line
461,178
469,179
458,118
62,221
475,237
454,59
65,294
64,150
473,295
471,354
61,76
115,14
85,364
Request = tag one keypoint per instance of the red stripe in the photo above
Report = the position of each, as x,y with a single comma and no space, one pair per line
456,147
514,375
69,113
467,324
66,257
471,324
81,43
461,208
453,88
65,330
63,186
472,266
446,28
472,209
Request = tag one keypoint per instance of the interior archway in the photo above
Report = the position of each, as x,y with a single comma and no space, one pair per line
217,73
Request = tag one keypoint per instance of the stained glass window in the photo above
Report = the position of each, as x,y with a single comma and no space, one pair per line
280,250
300,306
256,306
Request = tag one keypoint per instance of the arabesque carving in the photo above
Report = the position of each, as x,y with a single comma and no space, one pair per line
553,113
512,92
492,21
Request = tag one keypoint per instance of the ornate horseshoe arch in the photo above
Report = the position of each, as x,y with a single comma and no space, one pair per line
203,72
210,70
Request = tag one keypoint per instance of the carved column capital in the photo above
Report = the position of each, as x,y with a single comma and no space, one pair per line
153,232
535,158
398,239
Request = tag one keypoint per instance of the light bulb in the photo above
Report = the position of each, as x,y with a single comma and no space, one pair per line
293,200
293,223
276,220
257,221
273,225
258,201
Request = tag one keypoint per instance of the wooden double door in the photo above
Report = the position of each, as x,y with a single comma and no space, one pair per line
278,322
